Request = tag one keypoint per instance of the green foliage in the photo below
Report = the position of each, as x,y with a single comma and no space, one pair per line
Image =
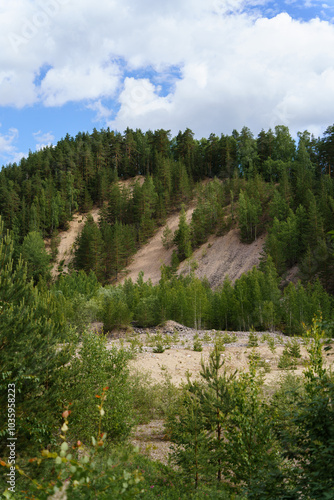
293,348
197,345
32,326
40,195
188,431
115,311
249,217
208,216
82,471
291,353
271,344
286,362
203,411
252,339
250,459
182,236
89,248
219,343
159,348
96,367
255,300
34,253
310,435
152,399
77,284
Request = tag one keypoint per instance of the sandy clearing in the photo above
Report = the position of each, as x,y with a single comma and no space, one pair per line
180,359
177,363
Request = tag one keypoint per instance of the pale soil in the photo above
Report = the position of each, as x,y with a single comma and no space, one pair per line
180,360
152,441
225,256
129,183
67,239
153,255
219,257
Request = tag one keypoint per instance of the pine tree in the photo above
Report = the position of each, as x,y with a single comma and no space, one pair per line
37,258
189,434
32,327
89,249
182,236
217,403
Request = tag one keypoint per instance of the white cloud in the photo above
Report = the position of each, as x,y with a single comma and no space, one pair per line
236,68
239,72
43,140
8,150
102,112
75,84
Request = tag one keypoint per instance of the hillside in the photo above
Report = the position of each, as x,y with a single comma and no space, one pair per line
225,256
221,256
66,241
153,255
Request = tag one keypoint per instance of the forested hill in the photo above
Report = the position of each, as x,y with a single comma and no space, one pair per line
269,183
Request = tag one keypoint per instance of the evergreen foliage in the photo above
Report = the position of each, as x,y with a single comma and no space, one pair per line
32,325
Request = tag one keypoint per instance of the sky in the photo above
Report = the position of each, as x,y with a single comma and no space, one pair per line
69,66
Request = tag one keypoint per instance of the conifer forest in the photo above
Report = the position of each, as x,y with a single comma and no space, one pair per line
70,399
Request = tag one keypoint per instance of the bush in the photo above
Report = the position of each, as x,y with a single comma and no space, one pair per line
115,311
93,368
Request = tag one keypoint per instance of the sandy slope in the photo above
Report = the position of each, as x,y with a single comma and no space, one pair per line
219,257
67,239
225,256
151,256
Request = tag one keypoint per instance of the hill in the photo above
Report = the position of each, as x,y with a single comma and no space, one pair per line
219,257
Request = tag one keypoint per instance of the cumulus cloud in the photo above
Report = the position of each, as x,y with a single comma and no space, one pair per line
76,84
236,66
250,72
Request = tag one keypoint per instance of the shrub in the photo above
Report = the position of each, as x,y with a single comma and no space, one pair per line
93,368
197,346
253,340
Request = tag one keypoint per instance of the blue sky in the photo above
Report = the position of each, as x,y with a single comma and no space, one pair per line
67,66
